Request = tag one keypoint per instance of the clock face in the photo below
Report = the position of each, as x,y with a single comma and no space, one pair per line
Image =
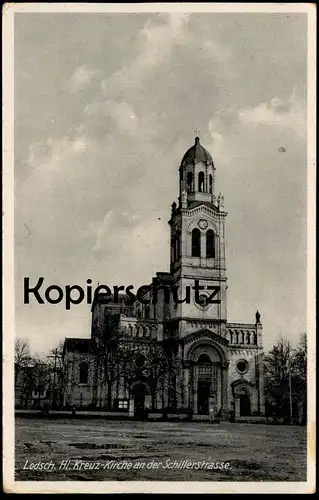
203,224
202,303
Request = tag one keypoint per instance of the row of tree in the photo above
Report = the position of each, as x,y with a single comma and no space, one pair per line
116,357
285,371
120,357
38,378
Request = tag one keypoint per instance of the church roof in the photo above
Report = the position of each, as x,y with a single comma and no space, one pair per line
197,153
197,203
83,346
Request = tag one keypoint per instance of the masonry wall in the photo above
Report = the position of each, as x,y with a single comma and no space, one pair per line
76,393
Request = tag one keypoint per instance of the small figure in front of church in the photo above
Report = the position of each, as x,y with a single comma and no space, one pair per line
257,316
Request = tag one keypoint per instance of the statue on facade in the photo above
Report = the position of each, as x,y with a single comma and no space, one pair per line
184,196
258,316
220,201
173,209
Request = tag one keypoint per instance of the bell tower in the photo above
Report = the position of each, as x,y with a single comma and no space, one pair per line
197,174
198,240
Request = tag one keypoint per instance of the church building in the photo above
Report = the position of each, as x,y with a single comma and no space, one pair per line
170,348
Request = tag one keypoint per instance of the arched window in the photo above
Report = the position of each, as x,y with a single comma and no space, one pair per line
201,182
189,181
140,361
196,243
204,358
84,373
210,183
210,244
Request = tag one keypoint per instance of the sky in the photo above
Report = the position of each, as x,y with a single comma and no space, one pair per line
106,106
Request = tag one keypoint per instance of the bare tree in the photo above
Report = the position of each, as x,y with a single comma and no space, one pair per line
144,360
276,367
299,377
22,357
118,359
58,378
286,378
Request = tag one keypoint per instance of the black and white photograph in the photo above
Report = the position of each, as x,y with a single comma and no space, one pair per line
159,262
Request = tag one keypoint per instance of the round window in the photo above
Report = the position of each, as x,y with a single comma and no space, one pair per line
140,361
242,366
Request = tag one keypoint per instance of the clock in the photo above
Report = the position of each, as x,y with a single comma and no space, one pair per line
202,304
203,224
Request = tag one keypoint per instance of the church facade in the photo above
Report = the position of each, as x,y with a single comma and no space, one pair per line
171,347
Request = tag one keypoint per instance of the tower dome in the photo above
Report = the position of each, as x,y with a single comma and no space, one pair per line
196,175
197,153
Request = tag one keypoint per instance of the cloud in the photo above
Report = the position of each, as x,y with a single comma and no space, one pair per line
217,138
222,127
279,113
81,77
155,42
52,159
232,127
101,132
115,225
122,114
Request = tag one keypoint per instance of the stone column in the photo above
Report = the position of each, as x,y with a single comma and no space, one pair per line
203,245
225,409
213,186
213,399
237,406
253,395
190,387
219,387
261,386
206,184
186,387
195,388
202,249
179,378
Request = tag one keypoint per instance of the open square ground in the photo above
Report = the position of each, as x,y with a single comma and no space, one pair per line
102,450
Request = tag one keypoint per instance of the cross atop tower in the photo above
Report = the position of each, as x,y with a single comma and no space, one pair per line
197,132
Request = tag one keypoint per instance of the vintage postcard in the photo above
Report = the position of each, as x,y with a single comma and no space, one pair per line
159,255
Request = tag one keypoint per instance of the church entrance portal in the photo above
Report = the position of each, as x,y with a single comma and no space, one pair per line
140,391
245,409
203,397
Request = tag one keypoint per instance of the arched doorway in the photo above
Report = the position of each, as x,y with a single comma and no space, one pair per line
204,389
244,405
139,393
243,393
207,376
